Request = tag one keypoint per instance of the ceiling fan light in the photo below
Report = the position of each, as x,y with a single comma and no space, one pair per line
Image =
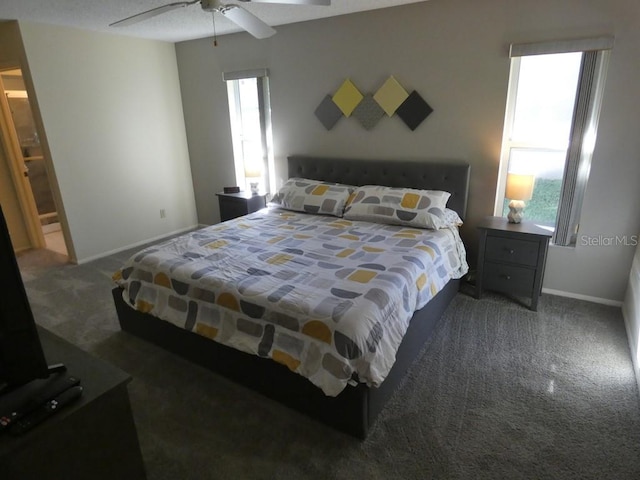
211,5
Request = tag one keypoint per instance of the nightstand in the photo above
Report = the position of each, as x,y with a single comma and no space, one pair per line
511,258
234,205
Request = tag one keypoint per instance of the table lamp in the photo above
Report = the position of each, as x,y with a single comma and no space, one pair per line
519,188
253,173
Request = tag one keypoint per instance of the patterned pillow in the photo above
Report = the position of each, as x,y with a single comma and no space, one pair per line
313,196
451,218
398,206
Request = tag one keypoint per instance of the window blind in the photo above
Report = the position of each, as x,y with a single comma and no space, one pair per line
561,46
581,144
239,75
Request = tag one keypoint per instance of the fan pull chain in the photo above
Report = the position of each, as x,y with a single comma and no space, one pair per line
215,36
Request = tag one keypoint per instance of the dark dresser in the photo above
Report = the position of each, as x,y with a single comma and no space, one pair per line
93,438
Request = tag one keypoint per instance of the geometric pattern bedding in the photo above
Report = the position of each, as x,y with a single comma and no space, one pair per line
329,298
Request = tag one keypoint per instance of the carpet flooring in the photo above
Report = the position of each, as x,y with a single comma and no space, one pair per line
499,392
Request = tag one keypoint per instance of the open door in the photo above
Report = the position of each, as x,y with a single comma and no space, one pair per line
26,162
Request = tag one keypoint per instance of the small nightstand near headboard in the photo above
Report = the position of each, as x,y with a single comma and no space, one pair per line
438,174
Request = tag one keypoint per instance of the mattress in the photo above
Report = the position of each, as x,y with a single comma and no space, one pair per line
330,299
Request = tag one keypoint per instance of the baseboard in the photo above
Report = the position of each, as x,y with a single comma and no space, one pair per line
587,298
137,244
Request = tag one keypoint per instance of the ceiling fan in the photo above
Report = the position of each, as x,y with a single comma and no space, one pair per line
234,12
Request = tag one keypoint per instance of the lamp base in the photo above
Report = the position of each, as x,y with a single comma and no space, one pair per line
254,188
516,211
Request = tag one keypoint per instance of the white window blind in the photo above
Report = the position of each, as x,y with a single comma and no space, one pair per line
561,46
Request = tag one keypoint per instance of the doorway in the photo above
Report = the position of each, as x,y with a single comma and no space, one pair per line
28,165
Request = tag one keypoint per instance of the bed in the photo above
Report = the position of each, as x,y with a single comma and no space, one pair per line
344,390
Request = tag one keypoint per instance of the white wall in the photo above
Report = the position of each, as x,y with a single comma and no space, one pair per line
455,54
113,118
631,312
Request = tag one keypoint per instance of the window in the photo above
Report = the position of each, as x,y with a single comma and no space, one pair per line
553,104
250,117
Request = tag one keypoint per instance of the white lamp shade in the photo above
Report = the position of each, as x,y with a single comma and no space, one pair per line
519,187
252,171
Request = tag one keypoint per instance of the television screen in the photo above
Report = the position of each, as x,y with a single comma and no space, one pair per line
21,355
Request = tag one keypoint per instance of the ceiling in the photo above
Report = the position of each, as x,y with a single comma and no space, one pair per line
174,26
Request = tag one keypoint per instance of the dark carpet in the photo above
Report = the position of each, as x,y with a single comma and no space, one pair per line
499,392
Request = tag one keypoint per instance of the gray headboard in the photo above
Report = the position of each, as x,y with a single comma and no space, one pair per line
449,176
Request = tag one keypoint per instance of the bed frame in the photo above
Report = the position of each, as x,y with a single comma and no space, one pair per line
355,409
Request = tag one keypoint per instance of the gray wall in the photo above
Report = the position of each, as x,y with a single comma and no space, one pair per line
455,54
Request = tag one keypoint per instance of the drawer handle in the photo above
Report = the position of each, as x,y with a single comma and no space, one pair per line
505,276
510,251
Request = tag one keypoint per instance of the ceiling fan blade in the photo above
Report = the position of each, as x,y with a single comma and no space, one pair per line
292,2
247,21
139,17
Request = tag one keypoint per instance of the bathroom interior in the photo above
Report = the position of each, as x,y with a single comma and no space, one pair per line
33,161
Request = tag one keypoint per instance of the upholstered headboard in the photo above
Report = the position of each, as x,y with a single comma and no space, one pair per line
450,176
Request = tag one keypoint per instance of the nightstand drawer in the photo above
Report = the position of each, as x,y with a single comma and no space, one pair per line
508,278
511,250
511,258
232,209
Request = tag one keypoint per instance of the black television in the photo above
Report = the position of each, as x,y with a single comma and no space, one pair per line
21,356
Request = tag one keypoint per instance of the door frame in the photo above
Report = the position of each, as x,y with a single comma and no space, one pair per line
19,174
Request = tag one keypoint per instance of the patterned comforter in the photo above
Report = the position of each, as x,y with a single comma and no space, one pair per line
322,295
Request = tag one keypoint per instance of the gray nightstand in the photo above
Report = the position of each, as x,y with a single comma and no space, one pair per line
234,205
511,258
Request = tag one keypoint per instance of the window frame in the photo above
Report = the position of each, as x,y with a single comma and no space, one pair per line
583,128
266,137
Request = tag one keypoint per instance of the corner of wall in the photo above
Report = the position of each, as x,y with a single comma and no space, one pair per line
631,313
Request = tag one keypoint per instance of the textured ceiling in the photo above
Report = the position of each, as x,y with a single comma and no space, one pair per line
174,26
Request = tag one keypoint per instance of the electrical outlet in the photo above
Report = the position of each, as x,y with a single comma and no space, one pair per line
163,214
